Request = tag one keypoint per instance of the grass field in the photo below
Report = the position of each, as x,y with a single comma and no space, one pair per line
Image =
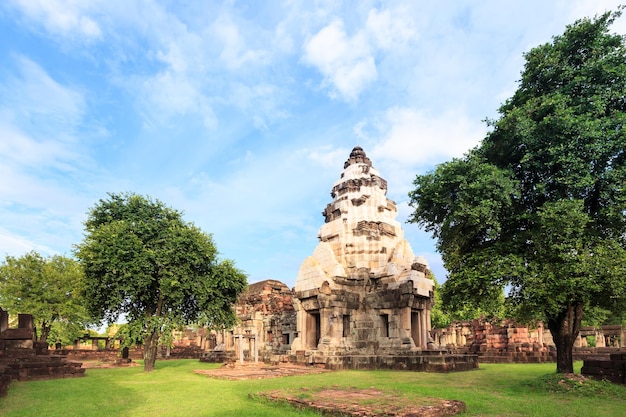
174,390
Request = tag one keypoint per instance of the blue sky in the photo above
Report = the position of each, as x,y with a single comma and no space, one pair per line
241,114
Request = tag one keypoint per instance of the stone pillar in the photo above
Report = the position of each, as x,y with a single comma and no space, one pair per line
239,342
256,348
298,342
578,341
600,338
405,322
324,323
424,329
4,320
335,326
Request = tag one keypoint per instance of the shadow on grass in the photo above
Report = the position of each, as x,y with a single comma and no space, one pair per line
168,364
575,385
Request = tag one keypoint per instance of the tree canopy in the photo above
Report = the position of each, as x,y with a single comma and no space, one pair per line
51,289
539,207
141,260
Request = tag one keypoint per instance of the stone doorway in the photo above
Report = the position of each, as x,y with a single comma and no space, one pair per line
313,329
416,328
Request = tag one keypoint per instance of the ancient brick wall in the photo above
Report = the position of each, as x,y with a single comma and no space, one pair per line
23,359
503,342
613,369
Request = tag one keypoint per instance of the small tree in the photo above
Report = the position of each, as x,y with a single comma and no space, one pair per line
539,207
51,289
143,261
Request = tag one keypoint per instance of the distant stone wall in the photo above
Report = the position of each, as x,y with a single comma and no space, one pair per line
511,342
103,355
497,343
603,336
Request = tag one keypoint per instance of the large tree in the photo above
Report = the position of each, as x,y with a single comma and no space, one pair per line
141,260
51,289
539,207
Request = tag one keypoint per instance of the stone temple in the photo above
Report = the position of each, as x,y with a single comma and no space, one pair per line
361,300
362,290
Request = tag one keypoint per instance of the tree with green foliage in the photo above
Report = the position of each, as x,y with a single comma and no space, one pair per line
442,315
142,261
51,289
539,207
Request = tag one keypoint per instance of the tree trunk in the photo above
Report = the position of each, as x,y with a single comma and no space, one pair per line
564,328
45,331
150,346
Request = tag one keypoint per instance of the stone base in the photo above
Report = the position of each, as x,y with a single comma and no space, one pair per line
613,370
218,356
46,367
26,365
425,361
354,402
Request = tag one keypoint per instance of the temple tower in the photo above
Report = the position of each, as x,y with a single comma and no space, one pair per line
362,291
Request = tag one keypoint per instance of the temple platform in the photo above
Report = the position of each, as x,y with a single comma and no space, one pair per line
424,361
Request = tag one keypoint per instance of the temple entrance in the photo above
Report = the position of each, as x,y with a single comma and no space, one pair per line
346,325
416,328
313,329
384,325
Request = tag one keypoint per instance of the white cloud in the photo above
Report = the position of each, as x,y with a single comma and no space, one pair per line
15,245
391,28
39,119
235,52
328,156
68,18
44,165
414,137
21,149
35,93
346,62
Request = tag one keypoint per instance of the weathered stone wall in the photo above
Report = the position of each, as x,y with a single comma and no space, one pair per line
103,355
504,342
23,359
511,342
613,369
267,326
603,336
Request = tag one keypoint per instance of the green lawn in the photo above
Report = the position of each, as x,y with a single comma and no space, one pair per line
174,390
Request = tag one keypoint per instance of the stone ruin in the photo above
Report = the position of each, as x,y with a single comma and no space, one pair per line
362,292
508,341
23,359
612,369
361,300
503,342
266,328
